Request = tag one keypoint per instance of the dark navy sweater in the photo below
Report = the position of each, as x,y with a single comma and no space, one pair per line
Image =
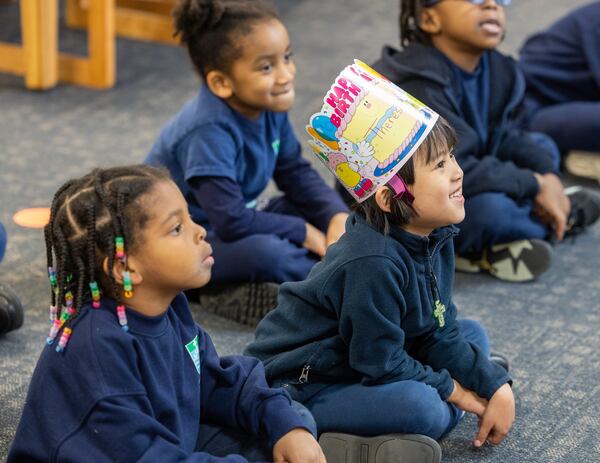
141,395
365,314
222,161
562,63
506,160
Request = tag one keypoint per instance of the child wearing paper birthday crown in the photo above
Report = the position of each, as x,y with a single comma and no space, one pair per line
370,342
127,375
227,143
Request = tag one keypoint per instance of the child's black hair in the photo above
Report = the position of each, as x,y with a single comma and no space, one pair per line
440,140
408,22
86,216
210,29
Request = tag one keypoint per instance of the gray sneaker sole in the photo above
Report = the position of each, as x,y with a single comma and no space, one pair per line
390,448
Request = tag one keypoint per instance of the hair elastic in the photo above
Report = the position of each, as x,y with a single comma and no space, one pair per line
400,189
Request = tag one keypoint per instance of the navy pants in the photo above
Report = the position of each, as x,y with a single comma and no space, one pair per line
2,241
220,442
261,257
402,407
573,126
494,218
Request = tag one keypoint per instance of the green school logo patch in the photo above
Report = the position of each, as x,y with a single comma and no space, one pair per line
192,348
275,145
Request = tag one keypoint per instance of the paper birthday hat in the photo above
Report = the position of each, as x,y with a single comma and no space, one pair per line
367,129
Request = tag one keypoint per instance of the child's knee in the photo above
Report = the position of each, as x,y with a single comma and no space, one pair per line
548,146
489,211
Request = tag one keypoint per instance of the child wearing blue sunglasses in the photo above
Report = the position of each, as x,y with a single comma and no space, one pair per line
514,199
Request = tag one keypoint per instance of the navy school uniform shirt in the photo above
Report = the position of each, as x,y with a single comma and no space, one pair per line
365,314
506,160
562,63
222,161
141,395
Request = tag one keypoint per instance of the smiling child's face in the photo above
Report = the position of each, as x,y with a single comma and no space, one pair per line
263,77
438,194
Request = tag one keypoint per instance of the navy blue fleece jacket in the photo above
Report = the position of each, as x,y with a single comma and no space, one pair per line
365,314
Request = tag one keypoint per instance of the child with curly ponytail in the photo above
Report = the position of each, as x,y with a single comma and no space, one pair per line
230,141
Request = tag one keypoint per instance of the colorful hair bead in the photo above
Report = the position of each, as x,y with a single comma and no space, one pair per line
127,284
120,247
64,315
53,312
52,277
56,324
64,339
69,299
95,295
122,317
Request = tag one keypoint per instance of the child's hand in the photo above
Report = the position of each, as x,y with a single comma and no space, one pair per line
467,400
336,228
315,240
552,200
498,417
298,446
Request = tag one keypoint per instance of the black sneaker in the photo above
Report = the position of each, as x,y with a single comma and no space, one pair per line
245,303
500,359
390,448
585,210
11,310
519,261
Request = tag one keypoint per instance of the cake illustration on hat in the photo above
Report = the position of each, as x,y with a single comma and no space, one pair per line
367,129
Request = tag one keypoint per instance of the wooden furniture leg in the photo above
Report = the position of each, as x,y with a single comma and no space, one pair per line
99,69
36,58
134,19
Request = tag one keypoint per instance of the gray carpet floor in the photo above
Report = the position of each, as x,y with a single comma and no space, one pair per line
548,329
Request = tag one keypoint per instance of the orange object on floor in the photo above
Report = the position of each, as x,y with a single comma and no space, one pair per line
33,217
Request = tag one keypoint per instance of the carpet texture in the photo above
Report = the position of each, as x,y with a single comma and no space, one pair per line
548,329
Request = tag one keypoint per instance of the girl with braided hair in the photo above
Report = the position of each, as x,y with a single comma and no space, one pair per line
127,375
227,143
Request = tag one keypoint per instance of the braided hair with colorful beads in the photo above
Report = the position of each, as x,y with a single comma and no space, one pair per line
94,218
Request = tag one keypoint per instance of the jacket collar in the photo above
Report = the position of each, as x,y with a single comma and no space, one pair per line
417,245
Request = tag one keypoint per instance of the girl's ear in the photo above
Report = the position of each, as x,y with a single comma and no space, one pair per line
382,198
220,84
429,21
119,268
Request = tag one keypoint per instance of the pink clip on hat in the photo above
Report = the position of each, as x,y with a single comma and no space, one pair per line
367,129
